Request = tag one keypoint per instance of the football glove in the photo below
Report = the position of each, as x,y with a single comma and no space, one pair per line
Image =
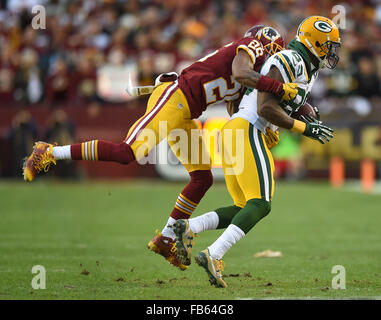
289,91
271,138
316,130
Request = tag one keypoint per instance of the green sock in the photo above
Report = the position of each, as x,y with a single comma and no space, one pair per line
248,216
226,216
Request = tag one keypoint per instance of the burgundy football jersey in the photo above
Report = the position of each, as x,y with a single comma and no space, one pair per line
210,79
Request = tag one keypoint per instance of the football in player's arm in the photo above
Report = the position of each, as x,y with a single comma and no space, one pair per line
268,108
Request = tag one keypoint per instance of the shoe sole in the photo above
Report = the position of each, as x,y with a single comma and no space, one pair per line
181,251
202,261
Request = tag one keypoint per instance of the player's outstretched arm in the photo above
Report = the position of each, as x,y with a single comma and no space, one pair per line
269,108
242,70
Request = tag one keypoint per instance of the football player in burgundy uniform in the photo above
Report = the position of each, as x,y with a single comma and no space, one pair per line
219,76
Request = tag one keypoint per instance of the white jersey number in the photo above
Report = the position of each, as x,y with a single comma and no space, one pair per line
217,90
256,47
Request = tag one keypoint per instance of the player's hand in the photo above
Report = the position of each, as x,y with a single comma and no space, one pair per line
271,138
316,130
289,91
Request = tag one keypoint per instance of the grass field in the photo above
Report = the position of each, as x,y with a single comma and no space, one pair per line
91,238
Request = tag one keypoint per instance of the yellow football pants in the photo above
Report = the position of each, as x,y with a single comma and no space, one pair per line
247,162
168,116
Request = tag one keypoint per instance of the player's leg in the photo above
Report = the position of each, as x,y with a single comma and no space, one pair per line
186,143
259,197
257,184
172,117
221,218
165,111
45,154
255,180
189,198
185,230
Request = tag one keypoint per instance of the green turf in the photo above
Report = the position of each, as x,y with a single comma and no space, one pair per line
92,237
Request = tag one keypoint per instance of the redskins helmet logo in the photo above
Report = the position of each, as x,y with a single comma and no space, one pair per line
270,33
323,26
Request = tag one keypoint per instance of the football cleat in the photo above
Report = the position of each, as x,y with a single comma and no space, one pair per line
185,241
40,160
213,268
166,247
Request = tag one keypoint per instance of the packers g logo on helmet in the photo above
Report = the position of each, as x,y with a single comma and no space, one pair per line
323,26
322,38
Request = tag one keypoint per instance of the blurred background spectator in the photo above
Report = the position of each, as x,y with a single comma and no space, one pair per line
368,83
61,130
21,137
84,55
88,46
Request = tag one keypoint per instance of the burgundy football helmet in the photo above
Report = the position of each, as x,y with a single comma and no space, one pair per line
270,38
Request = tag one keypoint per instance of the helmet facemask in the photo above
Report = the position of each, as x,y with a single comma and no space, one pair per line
331,57
272,48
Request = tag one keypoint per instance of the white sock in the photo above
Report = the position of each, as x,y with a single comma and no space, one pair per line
231,236
62,153
167,231
207,221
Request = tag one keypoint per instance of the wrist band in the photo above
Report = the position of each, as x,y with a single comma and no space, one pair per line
299,126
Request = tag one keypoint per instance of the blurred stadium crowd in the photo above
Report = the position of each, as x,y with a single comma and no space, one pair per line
59,64
88,47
